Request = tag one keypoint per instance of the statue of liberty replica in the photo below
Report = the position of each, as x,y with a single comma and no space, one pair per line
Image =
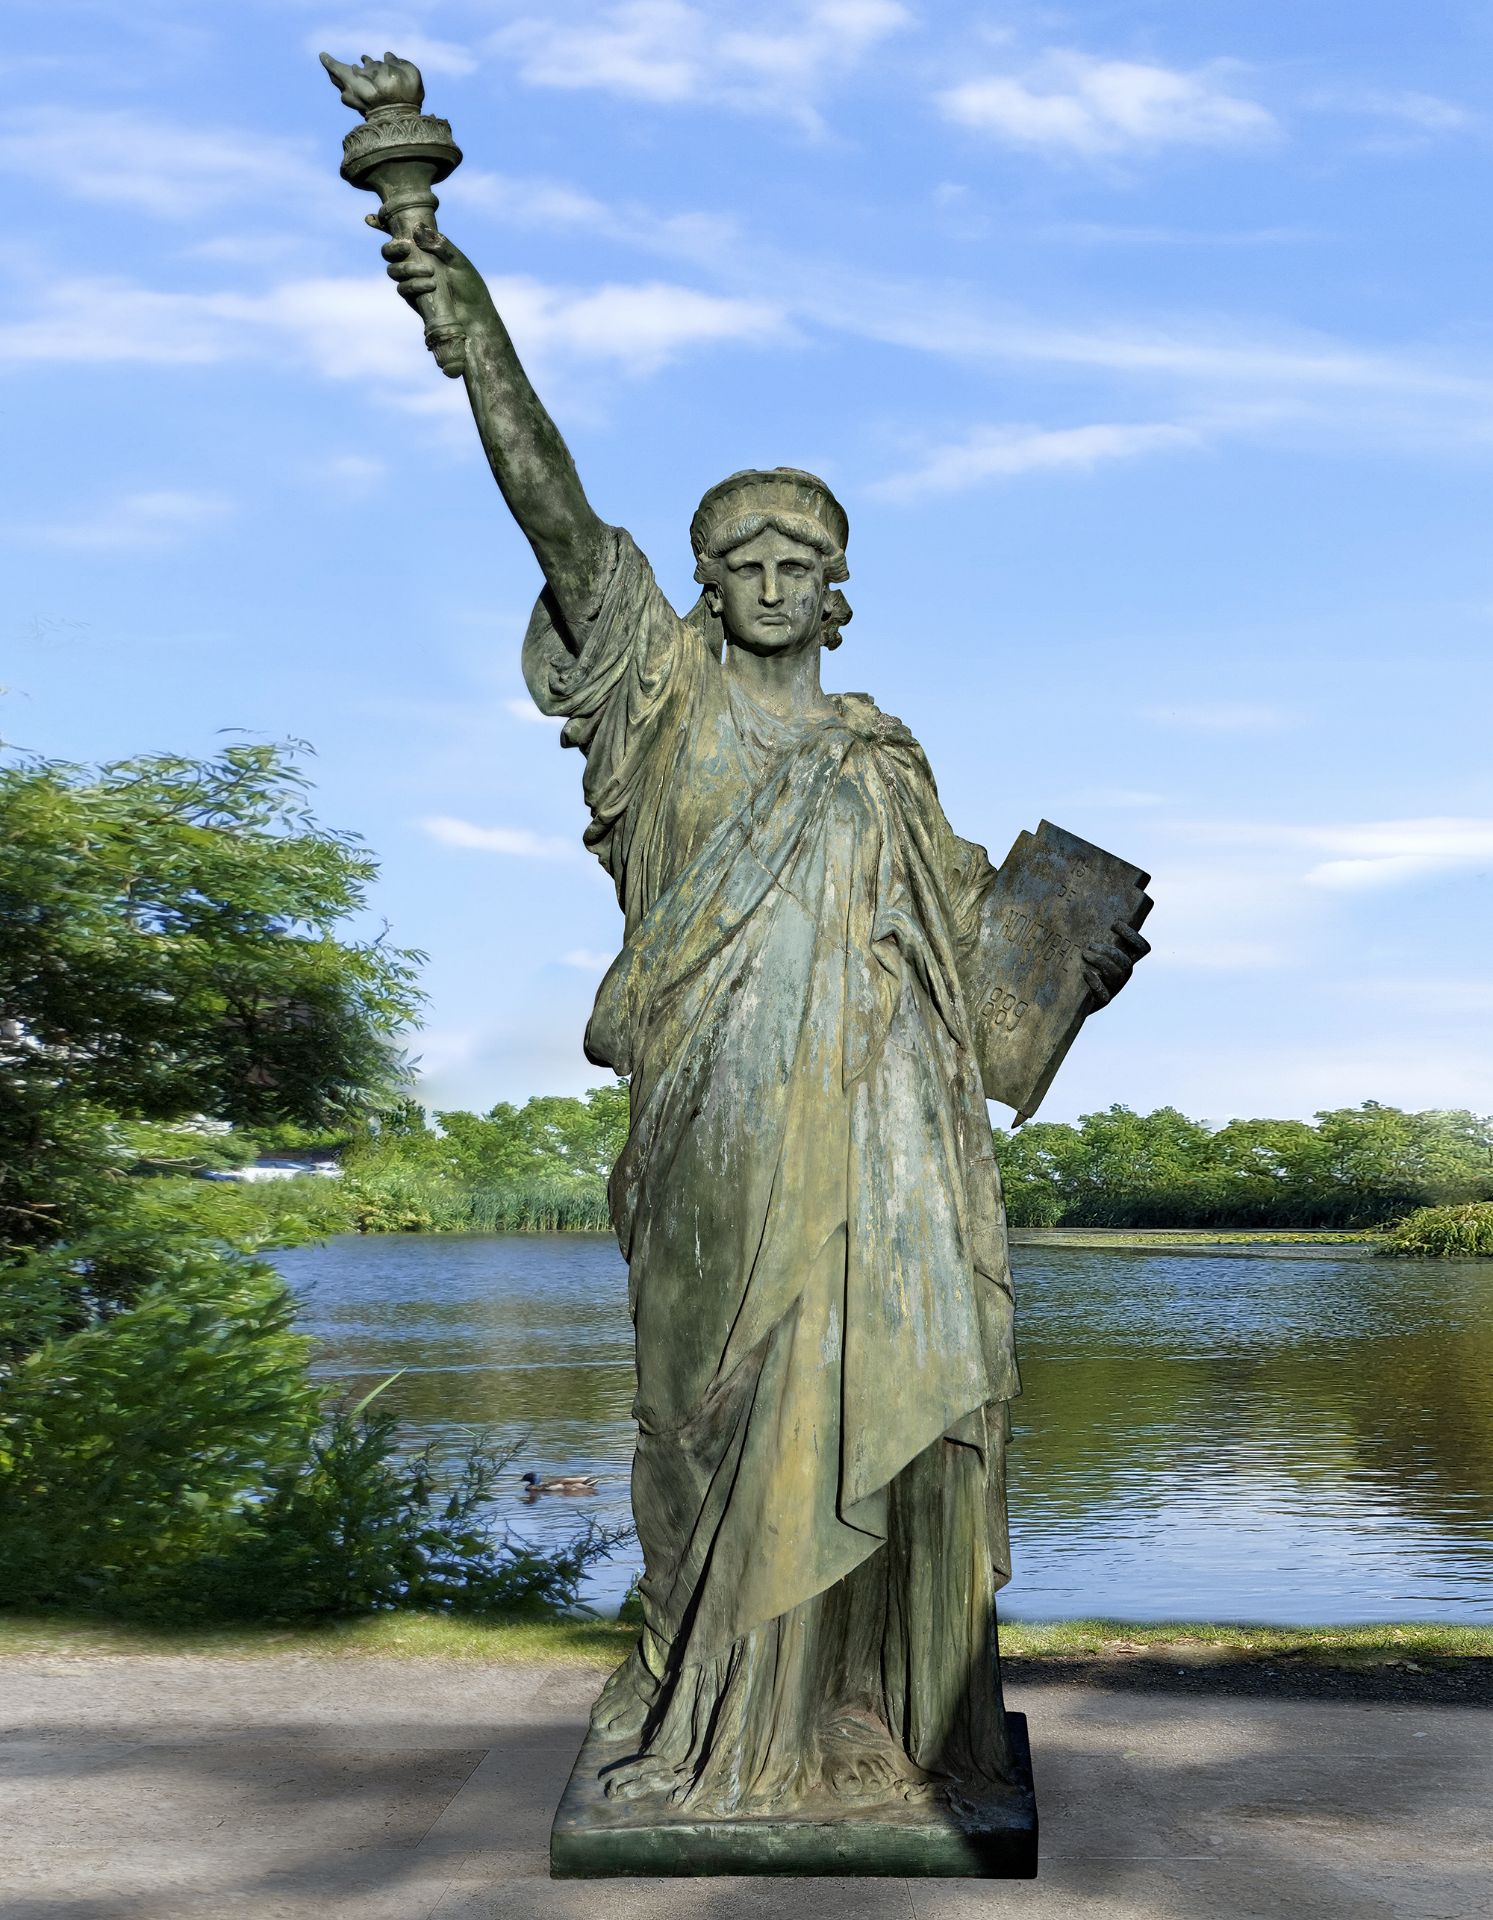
808,1200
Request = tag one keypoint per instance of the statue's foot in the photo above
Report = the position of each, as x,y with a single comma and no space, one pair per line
970,1798
621,1708
860,1762
645,1778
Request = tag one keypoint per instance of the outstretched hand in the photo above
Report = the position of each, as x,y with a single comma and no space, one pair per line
390,82
419,267
1107,965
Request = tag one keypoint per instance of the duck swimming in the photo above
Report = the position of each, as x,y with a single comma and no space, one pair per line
562,1483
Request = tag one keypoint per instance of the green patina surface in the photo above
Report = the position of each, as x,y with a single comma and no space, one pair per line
597,1838
808,1198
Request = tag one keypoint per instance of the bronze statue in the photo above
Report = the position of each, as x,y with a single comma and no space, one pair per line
808,1199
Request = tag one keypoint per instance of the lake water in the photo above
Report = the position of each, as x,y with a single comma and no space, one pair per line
1260,1437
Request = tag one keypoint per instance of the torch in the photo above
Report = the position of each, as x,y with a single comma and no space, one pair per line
398,153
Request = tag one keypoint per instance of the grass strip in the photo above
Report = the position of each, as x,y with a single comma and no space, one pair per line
1375,1644
416,1636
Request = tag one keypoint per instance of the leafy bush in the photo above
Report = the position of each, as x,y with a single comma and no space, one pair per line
1440,1233
133,1448
175,1462
356,1526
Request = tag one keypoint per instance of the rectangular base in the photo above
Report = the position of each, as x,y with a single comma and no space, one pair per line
595,1838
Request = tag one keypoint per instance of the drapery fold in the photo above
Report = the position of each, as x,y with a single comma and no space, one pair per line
808,1198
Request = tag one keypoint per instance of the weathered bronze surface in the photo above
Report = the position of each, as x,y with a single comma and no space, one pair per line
1053,896
595,1837
808,1198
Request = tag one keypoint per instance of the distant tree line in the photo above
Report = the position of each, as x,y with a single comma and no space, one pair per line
545,1164
1351,1167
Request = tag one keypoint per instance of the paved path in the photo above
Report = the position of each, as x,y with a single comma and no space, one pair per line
372,1789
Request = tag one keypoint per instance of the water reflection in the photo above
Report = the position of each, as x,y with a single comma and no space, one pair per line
1272,1438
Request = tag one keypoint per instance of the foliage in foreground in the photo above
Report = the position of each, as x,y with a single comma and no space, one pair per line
174,965
1441,1233
172,1506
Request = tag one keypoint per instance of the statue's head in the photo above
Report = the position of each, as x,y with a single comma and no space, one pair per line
769,549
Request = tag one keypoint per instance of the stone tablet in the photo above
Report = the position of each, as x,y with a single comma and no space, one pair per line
1053,896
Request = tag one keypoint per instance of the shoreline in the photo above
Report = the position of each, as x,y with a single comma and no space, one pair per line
1288,1240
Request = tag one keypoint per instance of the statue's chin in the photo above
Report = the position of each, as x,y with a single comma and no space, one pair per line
780,642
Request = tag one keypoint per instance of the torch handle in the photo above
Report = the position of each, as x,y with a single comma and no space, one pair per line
407,202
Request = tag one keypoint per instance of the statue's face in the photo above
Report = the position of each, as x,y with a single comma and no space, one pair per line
770,595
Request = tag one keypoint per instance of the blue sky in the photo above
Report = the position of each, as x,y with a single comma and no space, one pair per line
1150,348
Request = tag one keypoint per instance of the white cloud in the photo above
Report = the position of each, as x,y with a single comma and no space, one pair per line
646,49
100,320
119,157
1265,895
523,708
1000,452
1229,377
527,200
347,329
518,841
1363,855
134,521
585,961
640,327
673,53
1224,916
376,30
1071,103
357,329
1425,113
1226,379
1219,716
1387,852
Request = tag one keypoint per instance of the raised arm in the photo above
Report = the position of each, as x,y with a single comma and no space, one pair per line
530,462
398,155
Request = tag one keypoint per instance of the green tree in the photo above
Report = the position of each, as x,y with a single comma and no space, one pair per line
1136,1169
550,1136
1356,1166
1036,1165
172,945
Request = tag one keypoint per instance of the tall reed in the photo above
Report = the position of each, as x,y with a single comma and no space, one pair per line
418,1200
1442,1233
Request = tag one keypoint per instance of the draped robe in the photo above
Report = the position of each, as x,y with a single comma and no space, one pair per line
810,1210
